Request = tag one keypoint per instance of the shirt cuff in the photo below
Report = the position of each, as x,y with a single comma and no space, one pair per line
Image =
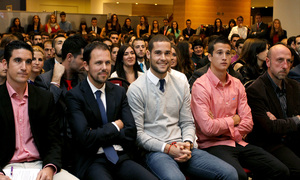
52,165
116,126
163,147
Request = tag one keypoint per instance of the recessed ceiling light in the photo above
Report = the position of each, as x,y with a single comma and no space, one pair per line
253,7
136,3
266,6
155,4
118,2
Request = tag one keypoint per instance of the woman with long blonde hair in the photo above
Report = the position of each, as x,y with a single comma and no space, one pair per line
52,26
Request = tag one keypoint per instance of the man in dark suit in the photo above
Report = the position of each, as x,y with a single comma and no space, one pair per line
29,133
275,103
102,125
94,26
259,29
188,31
164,30
139,47
57,44
62,78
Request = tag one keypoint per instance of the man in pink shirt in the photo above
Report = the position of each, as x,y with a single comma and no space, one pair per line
29,127
223,118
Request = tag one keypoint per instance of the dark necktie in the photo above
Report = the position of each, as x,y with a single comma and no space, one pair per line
109,151
161,87
142,65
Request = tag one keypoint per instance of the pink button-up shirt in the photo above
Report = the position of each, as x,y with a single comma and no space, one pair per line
25,147
209,95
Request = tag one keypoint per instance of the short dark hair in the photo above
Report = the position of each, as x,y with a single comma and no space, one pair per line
73,45
240,17
35,34
54,39
166,19
234,35
258,14
187,20
62,13
94,18
197,42
45,34
13,46
239,41
90,47
291,40
137,39
157,38
112,32
220,39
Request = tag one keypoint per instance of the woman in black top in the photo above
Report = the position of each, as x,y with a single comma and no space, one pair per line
36,25
16,26
155,27
143,27
126,28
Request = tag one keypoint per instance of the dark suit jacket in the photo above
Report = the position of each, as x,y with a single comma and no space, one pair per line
185,32
98,30
295,73
261,99
43,124
86,123
49,64
44,81
161,30
260,33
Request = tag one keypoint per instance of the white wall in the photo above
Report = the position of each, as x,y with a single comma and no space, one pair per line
287,11
120,9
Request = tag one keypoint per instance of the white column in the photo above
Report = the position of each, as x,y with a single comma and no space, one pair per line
287,11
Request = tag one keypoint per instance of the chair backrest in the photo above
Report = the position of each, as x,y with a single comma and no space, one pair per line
120,82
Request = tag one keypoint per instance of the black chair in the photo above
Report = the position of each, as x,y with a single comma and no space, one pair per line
120,82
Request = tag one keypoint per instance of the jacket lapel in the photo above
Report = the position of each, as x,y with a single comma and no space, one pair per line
91,101
272,96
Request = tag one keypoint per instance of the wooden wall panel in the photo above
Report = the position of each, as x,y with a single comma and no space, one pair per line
152,10
206,11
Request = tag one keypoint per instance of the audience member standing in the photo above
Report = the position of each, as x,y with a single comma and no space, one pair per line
64,24
52,26
16,26
164,30
188,31
126,28
115,24
94,26
276,33
143,27
241,30
259,29
36,25
174,30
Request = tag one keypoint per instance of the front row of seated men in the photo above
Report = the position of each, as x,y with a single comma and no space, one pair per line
158,116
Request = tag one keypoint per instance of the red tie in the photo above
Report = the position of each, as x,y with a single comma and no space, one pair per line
257,26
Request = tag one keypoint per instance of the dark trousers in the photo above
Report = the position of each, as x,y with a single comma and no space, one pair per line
102,169
290,159
260,162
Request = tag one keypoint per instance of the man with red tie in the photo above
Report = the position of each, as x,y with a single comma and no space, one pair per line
259,29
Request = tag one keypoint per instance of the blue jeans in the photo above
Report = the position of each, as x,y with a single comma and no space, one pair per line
202,165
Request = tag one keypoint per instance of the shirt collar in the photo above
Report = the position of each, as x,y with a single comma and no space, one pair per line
215,80
12,92
94,89
275,87
155,79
